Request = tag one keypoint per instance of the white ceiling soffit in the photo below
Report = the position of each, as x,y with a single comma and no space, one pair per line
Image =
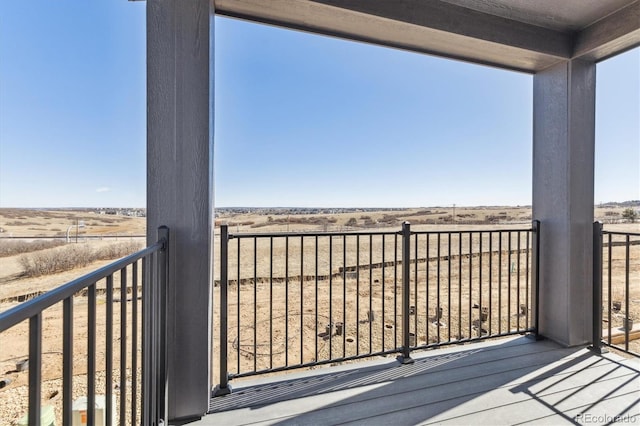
558,15
523,35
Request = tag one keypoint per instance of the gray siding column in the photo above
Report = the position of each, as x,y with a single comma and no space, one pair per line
179,185
563,182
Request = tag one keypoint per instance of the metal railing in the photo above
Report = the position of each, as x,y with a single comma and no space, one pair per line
291,300
616,290
142,275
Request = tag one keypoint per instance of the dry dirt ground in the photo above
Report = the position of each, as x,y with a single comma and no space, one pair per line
302,331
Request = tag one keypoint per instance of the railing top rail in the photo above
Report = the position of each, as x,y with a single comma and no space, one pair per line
64,237
473,231
26,310
622,233
367,233
309,234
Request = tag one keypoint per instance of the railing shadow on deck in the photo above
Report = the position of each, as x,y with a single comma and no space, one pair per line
621,377
436,383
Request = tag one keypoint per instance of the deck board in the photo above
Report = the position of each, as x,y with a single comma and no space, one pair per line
509,381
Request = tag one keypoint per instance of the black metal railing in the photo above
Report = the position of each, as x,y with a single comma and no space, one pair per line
142,337
291,300
616,290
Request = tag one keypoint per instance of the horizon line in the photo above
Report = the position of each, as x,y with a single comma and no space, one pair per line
318,207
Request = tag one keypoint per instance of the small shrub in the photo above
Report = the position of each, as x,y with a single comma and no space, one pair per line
352,222
116,251
14,247
70,257
22,221
630,214
57,260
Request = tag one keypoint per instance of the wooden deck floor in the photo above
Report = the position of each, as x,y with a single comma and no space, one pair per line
510,381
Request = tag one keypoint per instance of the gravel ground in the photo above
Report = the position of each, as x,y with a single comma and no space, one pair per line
14,405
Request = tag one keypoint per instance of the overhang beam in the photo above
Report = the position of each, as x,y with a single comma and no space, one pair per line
430,27
607,37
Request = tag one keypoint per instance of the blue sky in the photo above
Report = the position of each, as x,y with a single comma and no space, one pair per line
301,120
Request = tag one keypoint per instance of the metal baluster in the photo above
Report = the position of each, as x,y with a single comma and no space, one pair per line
271,303
526,282
67,360
509,286
301,299
449,284
470,279
35,368
438,290
109,351
499,282
134,344
480,305
382,282
286,300
626,295
406,254
163,298
518,284
255,303
357,294
489,328
415,289
370,293
238,304
147,377
426,308
609,284
91,355
316,299
123,344
459,286
596,340
344,295
330,289
223,387
536,282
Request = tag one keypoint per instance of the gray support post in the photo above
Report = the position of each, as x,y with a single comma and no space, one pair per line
563,182
179,187
596,340
223,388
406,290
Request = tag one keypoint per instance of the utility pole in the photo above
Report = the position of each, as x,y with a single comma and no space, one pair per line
454,212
